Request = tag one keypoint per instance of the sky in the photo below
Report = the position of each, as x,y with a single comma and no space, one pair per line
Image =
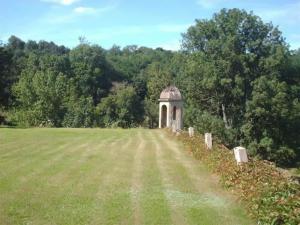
151,23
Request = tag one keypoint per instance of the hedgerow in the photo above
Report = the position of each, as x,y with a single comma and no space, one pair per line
270,195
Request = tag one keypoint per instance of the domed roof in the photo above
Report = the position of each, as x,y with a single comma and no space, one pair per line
170,93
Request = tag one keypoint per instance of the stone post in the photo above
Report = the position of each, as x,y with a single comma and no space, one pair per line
169,121
208,140
191,131
159,121
240,155
174,127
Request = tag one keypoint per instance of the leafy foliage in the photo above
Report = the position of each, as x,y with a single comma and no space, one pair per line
236,73
269,115
270,196
120,108
5,81
42,97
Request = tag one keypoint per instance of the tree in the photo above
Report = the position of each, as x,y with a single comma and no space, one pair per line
90,71
237,76
121,108
41,98
158,78
272,118
41,90
5,79
80,112
226,54
15,43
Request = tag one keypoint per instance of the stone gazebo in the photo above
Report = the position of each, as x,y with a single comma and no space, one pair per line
170,108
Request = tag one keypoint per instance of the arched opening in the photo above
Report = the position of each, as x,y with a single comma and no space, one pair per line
163,116
174,113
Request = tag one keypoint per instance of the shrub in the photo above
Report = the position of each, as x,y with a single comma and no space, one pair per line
271,196
205,122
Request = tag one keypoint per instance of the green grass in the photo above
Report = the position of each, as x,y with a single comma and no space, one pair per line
294,171
107,176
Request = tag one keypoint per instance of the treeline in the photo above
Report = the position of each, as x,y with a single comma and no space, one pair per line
238,77
43,84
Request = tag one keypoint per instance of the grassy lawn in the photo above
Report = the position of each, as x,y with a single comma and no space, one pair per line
106,176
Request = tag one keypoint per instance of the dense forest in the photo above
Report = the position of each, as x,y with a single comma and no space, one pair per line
238,77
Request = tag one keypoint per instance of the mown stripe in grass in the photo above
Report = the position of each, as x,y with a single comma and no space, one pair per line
210,198
31,194
136,185
94,185
113,199
31,165
154,204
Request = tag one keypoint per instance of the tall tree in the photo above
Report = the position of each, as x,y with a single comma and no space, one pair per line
90,71
235,71
158,78
121,108
5,80
228,52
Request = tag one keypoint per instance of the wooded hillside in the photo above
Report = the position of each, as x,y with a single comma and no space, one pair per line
238,77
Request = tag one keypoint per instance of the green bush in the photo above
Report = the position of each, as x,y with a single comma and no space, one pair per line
271,196
80,113
205,122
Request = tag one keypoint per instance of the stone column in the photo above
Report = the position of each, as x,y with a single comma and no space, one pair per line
191,131
174,129
168,115
208,140
179,118
159,121
240,155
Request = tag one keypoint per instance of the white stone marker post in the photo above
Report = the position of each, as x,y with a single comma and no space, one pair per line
191,131
173,127
240,155
208,140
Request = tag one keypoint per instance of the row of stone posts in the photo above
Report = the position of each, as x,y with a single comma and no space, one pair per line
240,153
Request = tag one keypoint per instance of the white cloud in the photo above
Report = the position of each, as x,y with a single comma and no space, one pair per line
58,18
90,10
61,2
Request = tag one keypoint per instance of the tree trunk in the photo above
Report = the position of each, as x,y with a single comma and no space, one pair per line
224,117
